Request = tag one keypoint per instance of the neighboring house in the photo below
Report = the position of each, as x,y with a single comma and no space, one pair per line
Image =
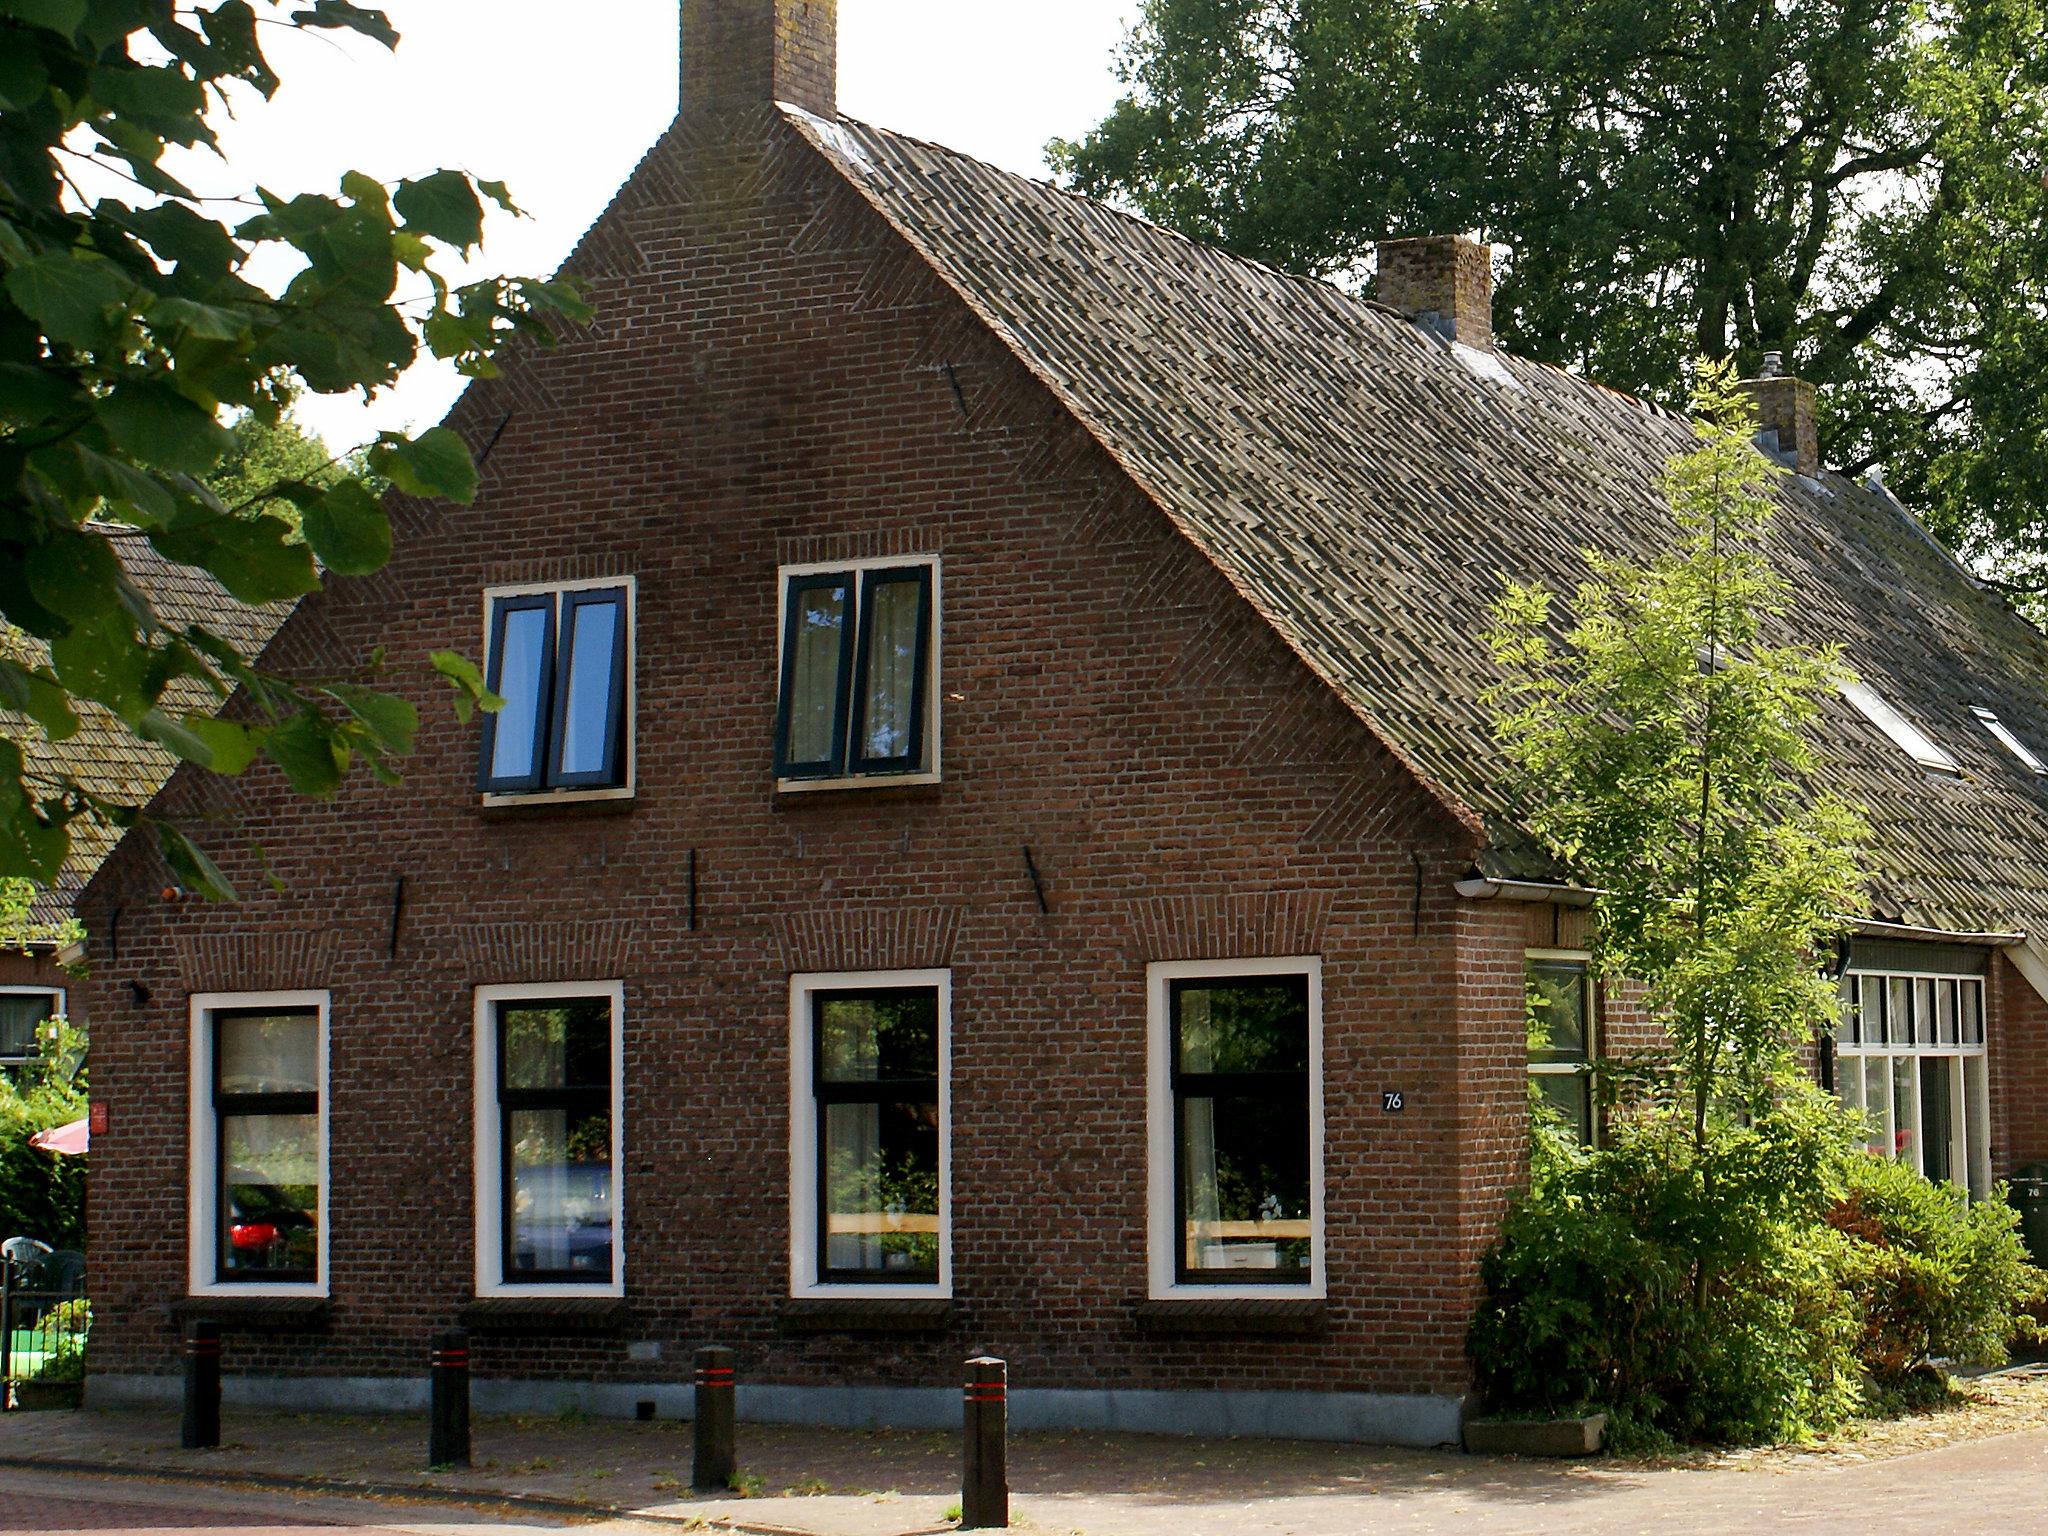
993,842
36,981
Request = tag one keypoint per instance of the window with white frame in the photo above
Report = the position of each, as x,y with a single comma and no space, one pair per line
561,658
549,1139
25,1012
859,667
1561,1044
258,1139
1902,733
870,1157
1909,1055
1236,1127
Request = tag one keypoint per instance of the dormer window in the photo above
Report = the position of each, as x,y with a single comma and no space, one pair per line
2010,742
859,665
561,659
1904,734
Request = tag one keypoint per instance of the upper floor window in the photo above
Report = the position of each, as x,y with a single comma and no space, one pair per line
24,1011
1903,733
859,664
1561,1038
562,660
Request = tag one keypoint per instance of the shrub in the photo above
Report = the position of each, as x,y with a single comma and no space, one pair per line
1626,1281
1934,1276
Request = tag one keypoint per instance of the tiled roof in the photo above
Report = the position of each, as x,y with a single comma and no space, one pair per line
1367,487
105,756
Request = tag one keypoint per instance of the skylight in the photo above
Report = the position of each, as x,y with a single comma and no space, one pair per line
2012,743
1904,734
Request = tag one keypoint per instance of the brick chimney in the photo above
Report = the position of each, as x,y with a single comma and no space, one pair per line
1787,427
1443,282
741,54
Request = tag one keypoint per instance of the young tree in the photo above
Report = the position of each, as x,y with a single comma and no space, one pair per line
129,330
1855,183
1663,749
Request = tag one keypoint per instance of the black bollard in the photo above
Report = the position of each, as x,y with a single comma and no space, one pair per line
985,1470
200,1430
448,1381
713,1422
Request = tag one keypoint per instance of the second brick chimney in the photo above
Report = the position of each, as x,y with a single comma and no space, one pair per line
1444,282
743,54
1787,423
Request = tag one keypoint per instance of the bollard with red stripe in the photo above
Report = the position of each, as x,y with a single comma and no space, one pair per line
713,1420
200,1429
448,1389
984,1469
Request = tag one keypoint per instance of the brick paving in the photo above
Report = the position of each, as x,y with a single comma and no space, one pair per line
845,1483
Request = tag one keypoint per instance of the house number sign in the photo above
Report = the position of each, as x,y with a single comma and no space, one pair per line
1393,1101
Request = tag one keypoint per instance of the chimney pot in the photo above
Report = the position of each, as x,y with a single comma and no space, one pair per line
744,54
1787,422
1443,282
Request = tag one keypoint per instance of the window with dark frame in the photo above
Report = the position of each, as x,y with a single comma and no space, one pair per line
555,1109
1243,1181
266,1105
559,661
855,692
875,1086
22,1017
1560,1026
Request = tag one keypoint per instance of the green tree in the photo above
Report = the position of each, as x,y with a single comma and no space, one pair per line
1856,183
129,334
265,454
1663,756
42,1194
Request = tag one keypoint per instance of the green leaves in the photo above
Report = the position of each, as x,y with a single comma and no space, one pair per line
443,205
61,16
145,379
436,463
462,675
72,299
348,530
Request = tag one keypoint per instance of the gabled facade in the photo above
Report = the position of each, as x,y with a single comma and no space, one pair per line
990,845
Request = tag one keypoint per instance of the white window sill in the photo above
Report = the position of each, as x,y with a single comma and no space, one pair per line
857,781
1307,1291
613,1291
864,1291
556,797
305,1290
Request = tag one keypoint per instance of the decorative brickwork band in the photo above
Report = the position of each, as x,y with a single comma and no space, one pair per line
1226,927
898,939
505,952
257,962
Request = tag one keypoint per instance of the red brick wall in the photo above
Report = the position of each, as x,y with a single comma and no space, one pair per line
768,381
2016,1056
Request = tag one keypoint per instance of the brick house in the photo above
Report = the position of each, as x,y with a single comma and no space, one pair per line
993,843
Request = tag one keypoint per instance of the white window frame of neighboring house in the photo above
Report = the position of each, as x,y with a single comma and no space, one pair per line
1583,959
490,1175
1863,1063
629,704
56,994
804,1194
202,1236
933,695
1162,1216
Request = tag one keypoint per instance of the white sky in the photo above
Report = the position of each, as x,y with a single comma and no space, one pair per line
520,91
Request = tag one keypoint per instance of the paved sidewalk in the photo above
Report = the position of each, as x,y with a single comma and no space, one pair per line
846,1483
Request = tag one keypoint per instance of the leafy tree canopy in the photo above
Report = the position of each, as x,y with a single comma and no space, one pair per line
1663,751
131,334
1856,183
